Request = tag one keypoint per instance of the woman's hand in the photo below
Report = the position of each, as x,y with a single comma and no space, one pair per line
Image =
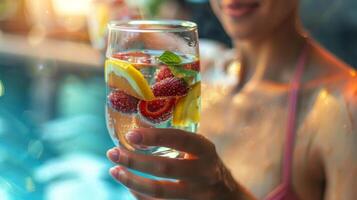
201,175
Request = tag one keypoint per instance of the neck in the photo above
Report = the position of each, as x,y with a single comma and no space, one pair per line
274,57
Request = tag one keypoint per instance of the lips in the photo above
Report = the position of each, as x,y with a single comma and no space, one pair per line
239,8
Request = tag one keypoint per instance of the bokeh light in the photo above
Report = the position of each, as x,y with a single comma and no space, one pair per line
70,7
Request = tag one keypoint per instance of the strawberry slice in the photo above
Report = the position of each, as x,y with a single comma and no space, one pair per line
193,66
163,73
157,111
170,87
123,102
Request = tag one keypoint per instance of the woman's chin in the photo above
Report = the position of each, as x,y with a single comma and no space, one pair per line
238,30
242,33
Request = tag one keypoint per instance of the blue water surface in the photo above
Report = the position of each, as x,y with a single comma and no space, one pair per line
53,136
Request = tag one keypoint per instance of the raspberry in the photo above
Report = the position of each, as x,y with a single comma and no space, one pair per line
163,73
170,87
123,102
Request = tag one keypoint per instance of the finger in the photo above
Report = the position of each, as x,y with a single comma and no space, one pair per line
140,196
185,169
207,195
172,138
149,187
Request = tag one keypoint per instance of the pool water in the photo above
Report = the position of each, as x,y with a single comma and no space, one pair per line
53,137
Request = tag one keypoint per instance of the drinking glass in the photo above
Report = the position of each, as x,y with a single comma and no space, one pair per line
152,74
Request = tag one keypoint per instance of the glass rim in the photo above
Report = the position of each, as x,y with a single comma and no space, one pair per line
159,25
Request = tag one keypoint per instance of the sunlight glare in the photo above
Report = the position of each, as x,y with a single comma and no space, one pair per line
71,7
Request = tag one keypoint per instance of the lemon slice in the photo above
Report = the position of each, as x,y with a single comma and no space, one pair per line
124,76
187,109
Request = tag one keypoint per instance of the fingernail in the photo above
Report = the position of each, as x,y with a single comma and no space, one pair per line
113,154
113,172
134,137
117,172
120,173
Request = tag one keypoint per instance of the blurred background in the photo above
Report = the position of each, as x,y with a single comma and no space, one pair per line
53,136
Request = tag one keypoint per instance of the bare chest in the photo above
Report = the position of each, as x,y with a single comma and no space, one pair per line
250,135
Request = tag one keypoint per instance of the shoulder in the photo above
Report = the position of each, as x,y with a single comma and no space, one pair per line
325,64
335,120
338,80
332,74
334,111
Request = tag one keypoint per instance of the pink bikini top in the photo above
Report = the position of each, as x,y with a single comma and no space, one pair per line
285,191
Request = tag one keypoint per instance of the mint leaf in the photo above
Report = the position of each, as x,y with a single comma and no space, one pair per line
170,58
174,62
186,74
180,71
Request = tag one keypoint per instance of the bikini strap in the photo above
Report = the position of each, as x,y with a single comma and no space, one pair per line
292,119
285,187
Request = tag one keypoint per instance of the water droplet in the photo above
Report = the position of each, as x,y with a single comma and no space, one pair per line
191,43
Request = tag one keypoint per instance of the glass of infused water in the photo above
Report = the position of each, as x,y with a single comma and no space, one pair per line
152,74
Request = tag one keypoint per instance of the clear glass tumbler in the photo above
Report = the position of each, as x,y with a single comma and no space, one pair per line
152,73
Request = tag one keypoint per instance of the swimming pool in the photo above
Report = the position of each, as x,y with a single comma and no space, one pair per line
53,137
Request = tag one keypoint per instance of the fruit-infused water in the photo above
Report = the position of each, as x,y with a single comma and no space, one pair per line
150,88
